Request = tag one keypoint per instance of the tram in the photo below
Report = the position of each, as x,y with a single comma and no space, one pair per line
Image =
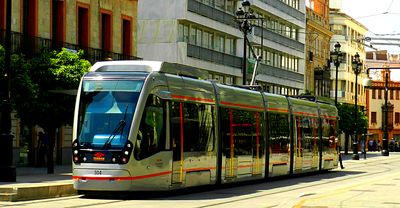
157,126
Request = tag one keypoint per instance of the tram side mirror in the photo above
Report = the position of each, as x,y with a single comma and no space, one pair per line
367,82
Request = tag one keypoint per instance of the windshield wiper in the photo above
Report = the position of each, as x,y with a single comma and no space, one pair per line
118,130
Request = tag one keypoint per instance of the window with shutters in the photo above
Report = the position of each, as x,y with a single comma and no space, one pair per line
373,117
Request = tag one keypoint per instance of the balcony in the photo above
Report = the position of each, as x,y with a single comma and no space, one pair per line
211,12
213,56
272,36
285,9
320,20
31,46
340,94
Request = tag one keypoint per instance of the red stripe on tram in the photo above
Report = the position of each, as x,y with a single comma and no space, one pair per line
278,110
122,178
182,97
241,105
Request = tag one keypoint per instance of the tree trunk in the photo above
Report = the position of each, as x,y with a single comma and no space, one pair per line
50,151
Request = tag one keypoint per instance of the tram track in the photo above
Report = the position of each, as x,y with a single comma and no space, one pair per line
336,176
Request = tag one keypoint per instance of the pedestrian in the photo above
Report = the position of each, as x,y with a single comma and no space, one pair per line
41,149
374,146
339,153
370,145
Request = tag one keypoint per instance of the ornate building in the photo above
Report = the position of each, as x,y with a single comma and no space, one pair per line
376,96
317,78
103,29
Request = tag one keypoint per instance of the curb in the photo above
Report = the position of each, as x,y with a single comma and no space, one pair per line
36,192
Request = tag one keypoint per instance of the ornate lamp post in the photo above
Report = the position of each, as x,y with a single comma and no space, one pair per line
385,145
336,58
8,171
243,16
357,67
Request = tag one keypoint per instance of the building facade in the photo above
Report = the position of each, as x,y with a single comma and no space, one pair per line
376,96
204,34
103,29
350,34
317,77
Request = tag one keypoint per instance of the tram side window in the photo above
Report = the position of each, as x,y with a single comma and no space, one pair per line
151,135
307,132
198,126
245,127
279,132
328,135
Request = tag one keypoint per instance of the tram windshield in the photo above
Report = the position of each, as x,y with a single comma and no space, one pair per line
105,112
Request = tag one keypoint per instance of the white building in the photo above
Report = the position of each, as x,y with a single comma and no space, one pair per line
204,34
350,34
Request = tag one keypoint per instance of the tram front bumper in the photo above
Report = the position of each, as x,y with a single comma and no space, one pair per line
90,179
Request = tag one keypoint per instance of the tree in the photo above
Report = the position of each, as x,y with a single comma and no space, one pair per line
39,86
56,72
347,121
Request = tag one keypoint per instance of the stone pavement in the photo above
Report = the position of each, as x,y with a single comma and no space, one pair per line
34,183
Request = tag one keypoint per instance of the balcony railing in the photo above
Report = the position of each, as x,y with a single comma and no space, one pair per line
272,36
211,12
312,15
32,46
286,9
213,56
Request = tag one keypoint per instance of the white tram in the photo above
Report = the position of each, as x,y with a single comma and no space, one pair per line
151,126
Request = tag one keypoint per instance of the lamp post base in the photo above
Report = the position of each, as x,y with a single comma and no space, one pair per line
355,157
8,174
385,152
7,169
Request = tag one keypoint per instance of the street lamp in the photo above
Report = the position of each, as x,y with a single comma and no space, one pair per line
8,171
336,58
243,17
385,149
357,67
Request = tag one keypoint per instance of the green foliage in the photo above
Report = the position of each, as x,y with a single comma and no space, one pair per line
347,119
67,68
24,90
38,86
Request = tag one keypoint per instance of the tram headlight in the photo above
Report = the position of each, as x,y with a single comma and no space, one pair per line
126,153
76,157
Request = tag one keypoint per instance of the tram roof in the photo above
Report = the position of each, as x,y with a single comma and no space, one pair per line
149,66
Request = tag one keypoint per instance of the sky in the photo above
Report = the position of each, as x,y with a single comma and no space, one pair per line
381,17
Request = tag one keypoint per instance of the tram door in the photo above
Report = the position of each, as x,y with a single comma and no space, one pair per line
231,162
177,135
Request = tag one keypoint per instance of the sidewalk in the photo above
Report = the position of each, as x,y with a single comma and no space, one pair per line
369,155
34,183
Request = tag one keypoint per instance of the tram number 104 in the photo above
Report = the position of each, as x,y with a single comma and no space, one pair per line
97,172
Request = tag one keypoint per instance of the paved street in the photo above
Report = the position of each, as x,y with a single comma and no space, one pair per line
374,182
